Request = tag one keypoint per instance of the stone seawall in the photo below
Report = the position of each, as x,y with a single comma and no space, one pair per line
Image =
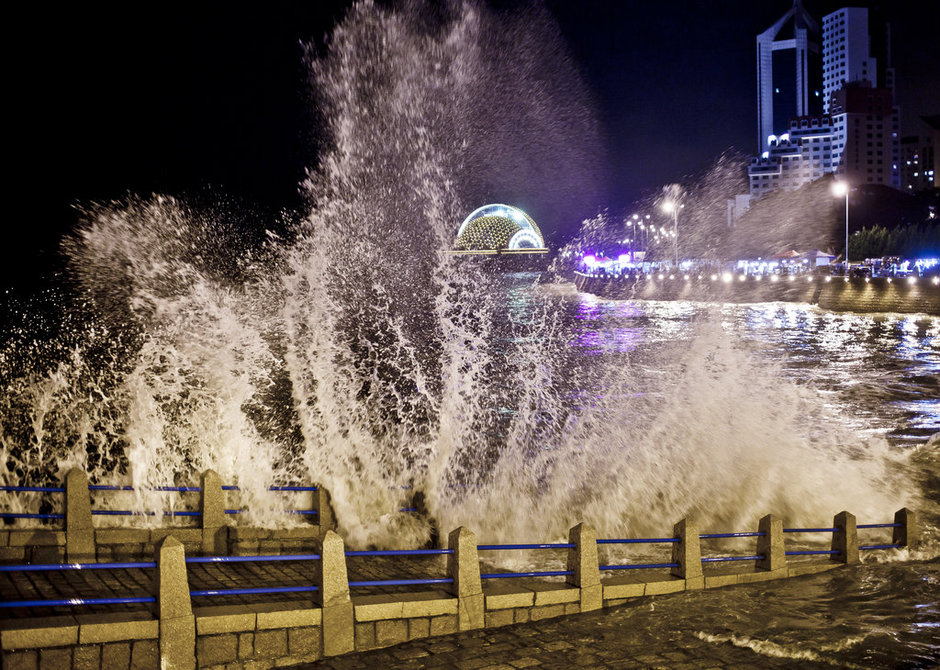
878,294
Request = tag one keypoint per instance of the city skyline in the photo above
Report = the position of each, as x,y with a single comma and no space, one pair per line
175,101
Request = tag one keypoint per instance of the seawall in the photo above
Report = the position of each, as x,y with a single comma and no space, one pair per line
877,294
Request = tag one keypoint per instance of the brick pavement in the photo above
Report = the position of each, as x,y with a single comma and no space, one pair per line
628,636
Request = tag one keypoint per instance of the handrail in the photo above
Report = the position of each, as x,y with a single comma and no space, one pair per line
811,530
721,559
638,566
400,552
34,489
498,547
401,582
641,540
711,536
253,591
47,567
253,559
503,575
77,601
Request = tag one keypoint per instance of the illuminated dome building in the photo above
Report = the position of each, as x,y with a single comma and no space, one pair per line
499,229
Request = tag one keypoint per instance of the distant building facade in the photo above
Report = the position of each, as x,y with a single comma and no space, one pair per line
788,72
855,134
917,164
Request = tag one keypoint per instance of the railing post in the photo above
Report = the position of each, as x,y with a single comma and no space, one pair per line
338,624
770,544
463,566
177,623
908,535
325,518
582,561
79,530
214,540
845,539
686,552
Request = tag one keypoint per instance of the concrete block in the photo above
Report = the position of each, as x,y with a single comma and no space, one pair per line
623,590
521,615
246,645
212,506
614,602
338,629
428,607
394,631
573,608
38,632
845,540
145,654
22,660
753,577
547,612
17,554
444,625
770,545
117,630
188,536
216,649
290,618
717,581
121,535
810,569
582,561
365,636
173,599
659,588
496,618
55,658
419,628
218,622
463,566
116,656
687,551
334,583
908,535
271,644
178,643
87,657
373,608
509,600
79,529
304,641
326,519
695,584
547,595
38,538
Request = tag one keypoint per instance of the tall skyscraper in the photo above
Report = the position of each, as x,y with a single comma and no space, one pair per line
789,72
858,83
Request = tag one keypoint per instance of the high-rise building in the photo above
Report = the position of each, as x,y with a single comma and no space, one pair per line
858,137
789,74
917,164
855,48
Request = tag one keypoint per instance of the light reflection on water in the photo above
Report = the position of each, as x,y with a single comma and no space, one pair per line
882,371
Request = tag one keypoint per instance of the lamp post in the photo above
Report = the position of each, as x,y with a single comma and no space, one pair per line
840,188
671,207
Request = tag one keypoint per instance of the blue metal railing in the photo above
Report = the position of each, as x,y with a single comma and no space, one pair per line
866,547
811,530
77,601
33,489
400,552
401,582
723,559
46,567
638,566
813,552
505,575
713,536
641,540
253,559
499,547
253,591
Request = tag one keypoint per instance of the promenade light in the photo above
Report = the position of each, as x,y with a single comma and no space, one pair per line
828,279
936,281
911,280
792,278
742,277
726,277
889,280
809,280
839,189
714,277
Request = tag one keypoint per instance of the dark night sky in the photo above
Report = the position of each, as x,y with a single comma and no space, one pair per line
175,98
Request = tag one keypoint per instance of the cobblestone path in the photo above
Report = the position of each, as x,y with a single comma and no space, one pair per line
629,636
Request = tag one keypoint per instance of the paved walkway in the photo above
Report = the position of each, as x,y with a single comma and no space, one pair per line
628,636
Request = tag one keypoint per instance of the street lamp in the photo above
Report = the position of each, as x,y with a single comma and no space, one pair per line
839,189
633,242
671,207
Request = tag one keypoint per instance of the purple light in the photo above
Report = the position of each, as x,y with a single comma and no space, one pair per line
590,261
623,259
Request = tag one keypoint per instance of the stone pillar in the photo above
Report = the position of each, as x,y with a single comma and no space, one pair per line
686,552
770,544
845,540
582,561
177,623
338,624
908,535
214,530
463,566
325,518
79,531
